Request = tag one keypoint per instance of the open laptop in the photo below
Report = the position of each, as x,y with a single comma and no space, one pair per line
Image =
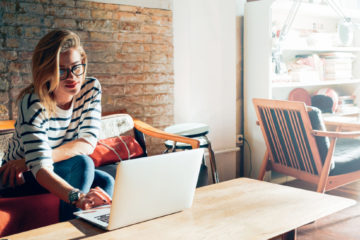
147,188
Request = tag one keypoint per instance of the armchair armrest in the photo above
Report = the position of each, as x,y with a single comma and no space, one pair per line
353,134
154,132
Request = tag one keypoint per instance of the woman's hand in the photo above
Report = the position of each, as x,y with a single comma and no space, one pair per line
95,197
12,172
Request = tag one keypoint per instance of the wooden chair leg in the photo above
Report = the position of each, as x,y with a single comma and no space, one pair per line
321,188
264,165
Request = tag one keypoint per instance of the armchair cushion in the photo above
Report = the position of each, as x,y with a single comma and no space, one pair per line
116,149
346,156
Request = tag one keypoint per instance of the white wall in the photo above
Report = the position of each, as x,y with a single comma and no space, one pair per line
205,70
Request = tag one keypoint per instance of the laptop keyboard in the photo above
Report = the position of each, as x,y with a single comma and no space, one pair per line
103,218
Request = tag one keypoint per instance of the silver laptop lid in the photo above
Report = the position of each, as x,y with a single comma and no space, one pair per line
155,186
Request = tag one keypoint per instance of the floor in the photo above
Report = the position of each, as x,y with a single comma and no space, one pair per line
344,225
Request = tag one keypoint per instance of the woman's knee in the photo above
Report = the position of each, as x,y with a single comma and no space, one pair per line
83,162
104,180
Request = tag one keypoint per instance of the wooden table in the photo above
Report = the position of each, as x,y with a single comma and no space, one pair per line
238,209
334,122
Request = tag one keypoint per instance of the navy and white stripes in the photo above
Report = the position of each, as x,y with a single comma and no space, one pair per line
36,134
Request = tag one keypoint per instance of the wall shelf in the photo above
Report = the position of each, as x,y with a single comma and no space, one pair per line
310,84
319,49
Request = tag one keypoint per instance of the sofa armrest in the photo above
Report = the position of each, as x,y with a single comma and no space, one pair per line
6,125
157,133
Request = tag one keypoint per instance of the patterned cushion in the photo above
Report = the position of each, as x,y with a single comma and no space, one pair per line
4,142
115,125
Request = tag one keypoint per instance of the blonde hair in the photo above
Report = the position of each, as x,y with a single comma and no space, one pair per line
45,65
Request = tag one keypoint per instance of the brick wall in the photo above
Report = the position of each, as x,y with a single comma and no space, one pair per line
129,49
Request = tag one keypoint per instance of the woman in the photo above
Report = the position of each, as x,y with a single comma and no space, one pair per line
57,127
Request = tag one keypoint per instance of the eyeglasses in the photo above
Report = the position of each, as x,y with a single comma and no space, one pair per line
77,70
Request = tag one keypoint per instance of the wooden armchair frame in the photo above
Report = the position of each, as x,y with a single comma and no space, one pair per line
292,150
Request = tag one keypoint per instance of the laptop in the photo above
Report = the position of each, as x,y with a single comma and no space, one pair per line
147,188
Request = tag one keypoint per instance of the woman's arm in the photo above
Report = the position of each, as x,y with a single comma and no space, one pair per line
71,149
58,186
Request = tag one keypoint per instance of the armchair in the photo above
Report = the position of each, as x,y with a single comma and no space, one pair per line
298,145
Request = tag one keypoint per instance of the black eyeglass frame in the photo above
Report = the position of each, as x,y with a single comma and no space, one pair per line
72,70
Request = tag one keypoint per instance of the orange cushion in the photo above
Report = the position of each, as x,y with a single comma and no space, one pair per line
115,149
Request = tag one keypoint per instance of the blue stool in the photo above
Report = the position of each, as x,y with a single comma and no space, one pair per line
197,131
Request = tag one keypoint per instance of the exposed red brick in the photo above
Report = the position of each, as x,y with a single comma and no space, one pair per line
101,14
16,80
135,48
162,48
134,89
130,17
158,68
96,5
162,39
132,68
7,6
129,26
133,57
101,56
2,67
134,38
28,19
155,29
31,8
101,46
127,8
31,32
4,97
158,12
111,79
164,98
111,90
109,68
65,23
95,25
19,67
8,55
12,43
161,20
159,78
159,58
157,88
69,3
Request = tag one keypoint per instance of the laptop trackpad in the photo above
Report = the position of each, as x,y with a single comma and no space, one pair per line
98,216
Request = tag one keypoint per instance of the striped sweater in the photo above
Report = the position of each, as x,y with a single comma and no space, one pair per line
36,134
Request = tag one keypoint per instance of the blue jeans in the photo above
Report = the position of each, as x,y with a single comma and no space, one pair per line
80,172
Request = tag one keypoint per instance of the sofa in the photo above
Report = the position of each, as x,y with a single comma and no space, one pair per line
21,211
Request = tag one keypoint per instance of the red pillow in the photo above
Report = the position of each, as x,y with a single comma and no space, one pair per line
115,149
